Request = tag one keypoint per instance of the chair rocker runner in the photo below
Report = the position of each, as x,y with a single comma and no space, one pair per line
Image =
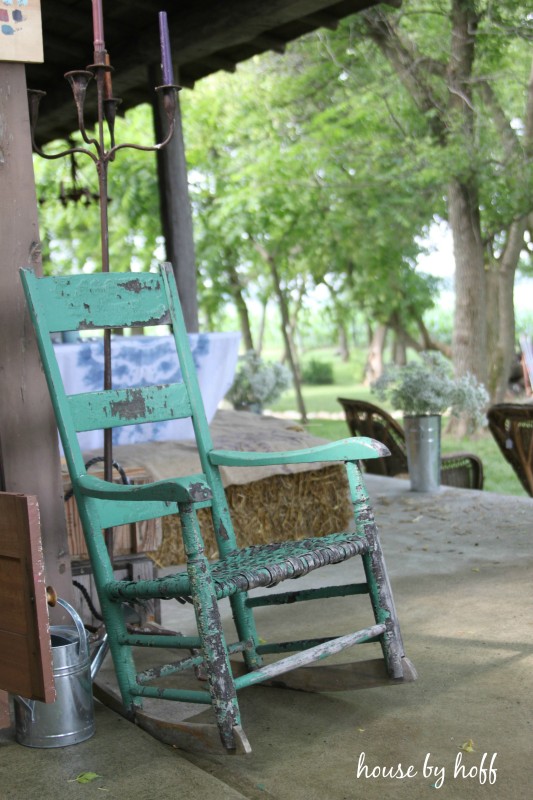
117,300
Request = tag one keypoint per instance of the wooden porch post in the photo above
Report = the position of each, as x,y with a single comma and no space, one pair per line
175,205
29,455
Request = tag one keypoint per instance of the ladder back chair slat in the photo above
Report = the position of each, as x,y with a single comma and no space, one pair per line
135,406
103,300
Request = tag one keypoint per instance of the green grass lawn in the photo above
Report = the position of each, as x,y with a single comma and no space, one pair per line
499,475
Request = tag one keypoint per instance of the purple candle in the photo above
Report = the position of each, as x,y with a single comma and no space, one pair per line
98,26
166,58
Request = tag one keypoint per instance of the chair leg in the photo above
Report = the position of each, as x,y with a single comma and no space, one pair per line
245,625
243,616
122,655
112,611
377,577
384,609
215,652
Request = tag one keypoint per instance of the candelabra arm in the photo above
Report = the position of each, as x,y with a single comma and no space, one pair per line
69,152
34,99
169,104
146,148
79,79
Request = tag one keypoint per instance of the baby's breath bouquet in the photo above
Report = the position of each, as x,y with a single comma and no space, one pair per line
428,387
257,382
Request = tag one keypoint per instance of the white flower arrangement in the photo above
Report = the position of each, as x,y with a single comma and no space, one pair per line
428,387
257,382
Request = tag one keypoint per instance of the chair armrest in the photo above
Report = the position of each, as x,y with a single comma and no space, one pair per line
354,449
193,489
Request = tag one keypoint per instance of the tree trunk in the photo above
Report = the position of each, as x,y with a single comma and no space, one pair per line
374,362
285,328
493,326
502,355
262,326
399,349
470,326
505,349
344,347
242,308
470,334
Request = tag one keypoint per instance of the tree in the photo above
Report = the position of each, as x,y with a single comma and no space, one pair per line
285,170
483,142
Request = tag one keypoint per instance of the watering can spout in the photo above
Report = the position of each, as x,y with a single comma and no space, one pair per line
99,655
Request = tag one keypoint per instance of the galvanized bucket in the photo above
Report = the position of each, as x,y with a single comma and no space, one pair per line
70,719
422,439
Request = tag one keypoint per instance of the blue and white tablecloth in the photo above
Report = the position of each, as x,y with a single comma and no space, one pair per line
143,361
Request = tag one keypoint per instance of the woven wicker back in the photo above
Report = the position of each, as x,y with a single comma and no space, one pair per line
511,424
366,419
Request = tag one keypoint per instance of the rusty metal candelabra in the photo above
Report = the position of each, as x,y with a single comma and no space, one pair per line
103,154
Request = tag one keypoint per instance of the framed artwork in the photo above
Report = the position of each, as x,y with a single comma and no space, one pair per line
21,36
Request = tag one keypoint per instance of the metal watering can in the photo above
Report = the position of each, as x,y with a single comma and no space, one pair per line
70,719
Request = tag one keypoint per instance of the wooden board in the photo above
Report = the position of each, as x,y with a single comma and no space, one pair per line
5,717
21,35
25,645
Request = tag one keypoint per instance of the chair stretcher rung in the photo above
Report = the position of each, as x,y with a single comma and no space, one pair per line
281,598
307,656
185,695
160,640
302,644
181,665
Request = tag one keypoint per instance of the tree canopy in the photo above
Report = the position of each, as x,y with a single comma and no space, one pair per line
327,165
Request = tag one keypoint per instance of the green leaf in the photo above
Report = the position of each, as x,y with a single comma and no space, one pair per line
86,777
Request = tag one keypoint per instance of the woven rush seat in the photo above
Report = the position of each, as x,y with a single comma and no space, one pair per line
267,565
252,567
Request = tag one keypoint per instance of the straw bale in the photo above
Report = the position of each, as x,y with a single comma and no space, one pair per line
290,506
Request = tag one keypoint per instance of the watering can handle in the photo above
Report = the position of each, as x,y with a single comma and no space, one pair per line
83,647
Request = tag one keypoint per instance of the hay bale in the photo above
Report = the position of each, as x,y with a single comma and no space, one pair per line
288,506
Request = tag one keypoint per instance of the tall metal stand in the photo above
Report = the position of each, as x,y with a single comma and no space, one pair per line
102,149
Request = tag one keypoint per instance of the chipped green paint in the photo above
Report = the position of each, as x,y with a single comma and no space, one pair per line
95,410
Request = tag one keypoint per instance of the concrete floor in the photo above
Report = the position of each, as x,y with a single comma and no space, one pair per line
460,564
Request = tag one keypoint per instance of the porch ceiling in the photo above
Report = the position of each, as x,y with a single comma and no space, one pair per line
206,36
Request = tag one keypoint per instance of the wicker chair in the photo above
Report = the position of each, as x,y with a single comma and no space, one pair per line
511,424
462,470
526,346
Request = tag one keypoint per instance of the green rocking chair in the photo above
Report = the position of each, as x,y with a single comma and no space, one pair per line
132,299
